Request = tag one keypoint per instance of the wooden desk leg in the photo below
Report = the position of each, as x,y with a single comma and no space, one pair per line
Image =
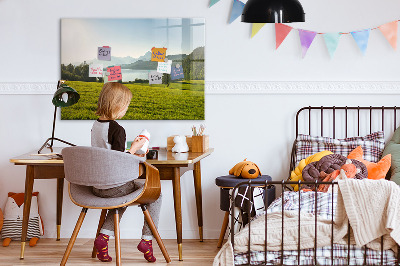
60,191
199,204
176,183
27,206
117,238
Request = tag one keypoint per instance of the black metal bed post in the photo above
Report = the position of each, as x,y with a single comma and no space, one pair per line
334,119
292,158
233,218
249,220
283,211
383,118
370,120
381,250
298,239
398,255
333,192
322,121
309,120
365,254
266,221
348,242
345,112
315,222
358,120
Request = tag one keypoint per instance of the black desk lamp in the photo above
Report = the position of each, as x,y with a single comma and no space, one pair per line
273,11
64,96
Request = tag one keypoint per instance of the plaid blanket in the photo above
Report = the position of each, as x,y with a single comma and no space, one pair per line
324,257
323,205
307,202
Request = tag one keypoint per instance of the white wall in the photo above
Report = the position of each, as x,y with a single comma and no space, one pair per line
257,126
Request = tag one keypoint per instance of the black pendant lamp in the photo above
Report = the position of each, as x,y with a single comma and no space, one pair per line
273,11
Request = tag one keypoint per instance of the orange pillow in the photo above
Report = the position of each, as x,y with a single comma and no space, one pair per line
375,170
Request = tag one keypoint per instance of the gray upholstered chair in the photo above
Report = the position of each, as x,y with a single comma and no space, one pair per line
85,167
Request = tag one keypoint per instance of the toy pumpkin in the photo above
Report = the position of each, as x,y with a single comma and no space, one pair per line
245,169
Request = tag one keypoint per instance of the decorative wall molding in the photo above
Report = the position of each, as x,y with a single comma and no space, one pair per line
303,87
251,87
28,88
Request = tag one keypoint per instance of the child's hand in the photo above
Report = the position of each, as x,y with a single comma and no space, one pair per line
137,144
142,155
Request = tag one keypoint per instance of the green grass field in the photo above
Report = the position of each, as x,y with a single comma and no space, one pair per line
182,100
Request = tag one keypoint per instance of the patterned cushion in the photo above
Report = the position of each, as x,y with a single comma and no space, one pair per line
372,144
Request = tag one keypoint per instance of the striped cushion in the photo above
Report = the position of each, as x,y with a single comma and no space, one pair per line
13,228
372,145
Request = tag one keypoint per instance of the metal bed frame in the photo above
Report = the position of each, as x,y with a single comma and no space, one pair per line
283,184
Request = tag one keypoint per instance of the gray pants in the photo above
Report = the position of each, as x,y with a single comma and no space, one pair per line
154,208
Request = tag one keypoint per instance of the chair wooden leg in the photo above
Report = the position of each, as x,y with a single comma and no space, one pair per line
117,238
101,222
223,229
73,237
154,230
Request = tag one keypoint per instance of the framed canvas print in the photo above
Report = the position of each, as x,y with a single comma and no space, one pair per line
160,60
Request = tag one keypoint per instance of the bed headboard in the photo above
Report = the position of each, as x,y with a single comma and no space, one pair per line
344,121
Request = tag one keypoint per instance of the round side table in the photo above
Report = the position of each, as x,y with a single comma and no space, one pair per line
228,182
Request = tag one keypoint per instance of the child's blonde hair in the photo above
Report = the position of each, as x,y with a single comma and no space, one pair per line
113,98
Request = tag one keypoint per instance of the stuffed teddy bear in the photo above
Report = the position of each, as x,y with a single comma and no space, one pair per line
180,144
13,215
245,169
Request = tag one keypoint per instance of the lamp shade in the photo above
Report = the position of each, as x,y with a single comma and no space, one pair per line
273,11
65,96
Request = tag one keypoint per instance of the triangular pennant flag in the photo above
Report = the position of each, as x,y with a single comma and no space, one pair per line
361,37
332,41
281,31
390,32
237,10
213,2
306,39
256,28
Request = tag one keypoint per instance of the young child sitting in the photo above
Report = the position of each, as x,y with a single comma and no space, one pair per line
106,133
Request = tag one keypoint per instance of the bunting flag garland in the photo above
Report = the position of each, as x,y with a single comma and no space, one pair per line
306,39
256,27
237,9
361,38
213,2
332,41
281,31
389,30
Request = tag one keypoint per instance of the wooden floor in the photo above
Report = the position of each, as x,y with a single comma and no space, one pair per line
50,252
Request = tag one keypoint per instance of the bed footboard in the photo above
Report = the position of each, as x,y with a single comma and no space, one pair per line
309,256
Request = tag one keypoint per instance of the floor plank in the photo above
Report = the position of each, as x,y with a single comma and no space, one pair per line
49,252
